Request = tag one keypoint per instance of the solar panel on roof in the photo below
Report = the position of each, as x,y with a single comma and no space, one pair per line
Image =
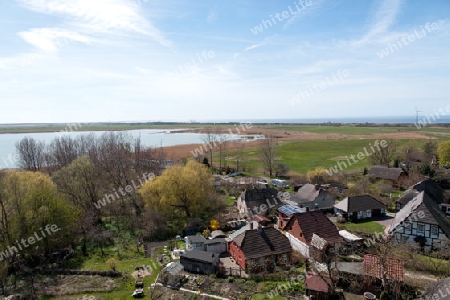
290,210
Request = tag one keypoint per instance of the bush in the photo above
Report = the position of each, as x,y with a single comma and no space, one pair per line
112,263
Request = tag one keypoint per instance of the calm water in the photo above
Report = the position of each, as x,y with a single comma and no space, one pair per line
149,138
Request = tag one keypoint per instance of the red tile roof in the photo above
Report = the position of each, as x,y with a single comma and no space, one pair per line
316,283
315,222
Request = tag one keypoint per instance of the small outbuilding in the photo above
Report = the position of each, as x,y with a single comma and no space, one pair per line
172,274
200,262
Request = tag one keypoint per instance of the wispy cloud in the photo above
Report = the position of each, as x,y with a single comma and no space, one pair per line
212,16
96,17
384,17
318,7
254,46
50,39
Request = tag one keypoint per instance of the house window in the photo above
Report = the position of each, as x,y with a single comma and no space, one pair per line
408,226
420,227
434,230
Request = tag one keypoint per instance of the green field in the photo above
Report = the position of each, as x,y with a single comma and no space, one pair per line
349,129
303,156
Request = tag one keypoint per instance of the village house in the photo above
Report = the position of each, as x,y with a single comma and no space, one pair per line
258,201
313,197
195,242
312,234
261,249
422,221
428,186
417,159
215,245
360,207
285,213
397,176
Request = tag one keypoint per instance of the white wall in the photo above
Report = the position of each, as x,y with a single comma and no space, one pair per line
298,245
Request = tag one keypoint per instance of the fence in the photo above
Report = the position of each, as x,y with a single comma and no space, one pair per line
229,271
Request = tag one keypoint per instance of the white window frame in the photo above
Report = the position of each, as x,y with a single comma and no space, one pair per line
420,226
434,228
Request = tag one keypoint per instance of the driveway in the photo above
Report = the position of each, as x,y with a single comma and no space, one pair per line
386,221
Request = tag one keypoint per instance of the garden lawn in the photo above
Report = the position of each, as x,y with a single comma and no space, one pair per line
367,227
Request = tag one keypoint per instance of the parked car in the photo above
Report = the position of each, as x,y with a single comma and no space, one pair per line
280,183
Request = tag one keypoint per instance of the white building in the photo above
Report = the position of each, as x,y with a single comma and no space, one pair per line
422,221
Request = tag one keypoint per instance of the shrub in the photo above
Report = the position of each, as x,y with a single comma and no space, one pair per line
112,263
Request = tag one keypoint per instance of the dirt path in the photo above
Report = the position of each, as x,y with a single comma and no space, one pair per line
194,292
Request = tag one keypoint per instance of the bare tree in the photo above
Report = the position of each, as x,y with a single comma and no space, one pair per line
268,154
239,146
430,151
61,152
209,141
222,139
384,155
281,169
31,154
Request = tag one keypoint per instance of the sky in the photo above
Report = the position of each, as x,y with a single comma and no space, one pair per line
147,60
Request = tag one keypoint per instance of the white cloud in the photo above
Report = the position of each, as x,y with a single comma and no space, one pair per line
50,39
99,16
253,47
383,19
318,7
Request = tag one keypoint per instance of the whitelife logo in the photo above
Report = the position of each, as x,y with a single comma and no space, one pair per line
266,24
108,198
358,157
38,236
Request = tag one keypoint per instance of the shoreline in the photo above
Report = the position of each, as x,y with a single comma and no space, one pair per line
187,127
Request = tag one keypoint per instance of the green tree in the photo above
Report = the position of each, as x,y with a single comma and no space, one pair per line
79,182
444,153
384,155
30,204
179,189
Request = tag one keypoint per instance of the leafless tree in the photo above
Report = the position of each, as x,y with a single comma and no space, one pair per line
384,155
61,152
281,169
430,151
239,157
222,140
209,142
31,154
268,154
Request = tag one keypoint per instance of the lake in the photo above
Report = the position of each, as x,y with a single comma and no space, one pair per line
149,137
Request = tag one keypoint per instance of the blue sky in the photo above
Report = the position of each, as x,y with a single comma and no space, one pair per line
115,60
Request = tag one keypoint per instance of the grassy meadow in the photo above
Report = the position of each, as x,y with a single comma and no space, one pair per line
302,156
